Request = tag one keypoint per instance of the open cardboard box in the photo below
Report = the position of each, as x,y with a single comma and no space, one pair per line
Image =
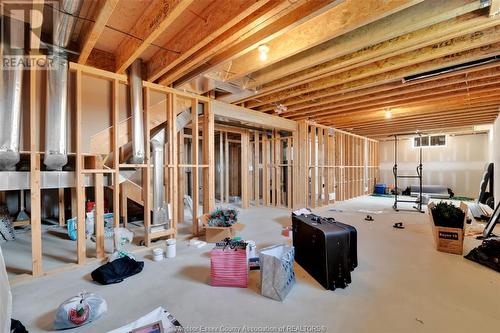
217,234
449,240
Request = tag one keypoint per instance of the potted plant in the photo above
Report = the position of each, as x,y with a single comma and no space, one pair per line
447,222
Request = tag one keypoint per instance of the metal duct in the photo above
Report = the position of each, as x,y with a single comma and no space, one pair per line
135,81
10,117
57,88
160,212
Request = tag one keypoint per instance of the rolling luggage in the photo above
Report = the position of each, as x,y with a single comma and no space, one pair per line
325,248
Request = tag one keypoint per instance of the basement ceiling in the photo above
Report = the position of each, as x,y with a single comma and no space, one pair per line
337,63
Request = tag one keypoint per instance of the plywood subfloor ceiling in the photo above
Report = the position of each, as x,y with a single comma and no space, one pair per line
338,63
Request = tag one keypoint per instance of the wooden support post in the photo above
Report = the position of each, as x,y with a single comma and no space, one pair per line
226,153
60,195
277,168
195,160
36,222
181,182
289,171
208,159
124,208
313,168
99,214
146,172
80,190
265,170
116,152
256,168
222,169
245,142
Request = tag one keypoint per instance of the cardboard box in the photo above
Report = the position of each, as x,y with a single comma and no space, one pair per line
216,234
449,240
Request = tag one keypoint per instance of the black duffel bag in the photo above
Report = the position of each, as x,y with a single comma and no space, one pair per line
117,270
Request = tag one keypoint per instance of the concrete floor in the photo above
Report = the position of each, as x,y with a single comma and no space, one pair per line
402,284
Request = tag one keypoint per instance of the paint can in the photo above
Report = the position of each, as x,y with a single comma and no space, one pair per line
170,248
158,254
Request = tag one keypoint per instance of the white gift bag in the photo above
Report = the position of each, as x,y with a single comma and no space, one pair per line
276,271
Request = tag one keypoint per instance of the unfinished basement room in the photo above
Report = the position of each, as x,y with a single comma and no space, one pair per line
227,166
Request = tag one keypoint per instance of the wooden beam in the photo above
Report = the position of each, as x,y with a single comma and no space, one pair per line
440,32
158,18
245,142
80,190
61,207
116,151
404,22
219,17
256,168
35,218
266,23
106,8
458,50
317,30
146,172
195,159
99,215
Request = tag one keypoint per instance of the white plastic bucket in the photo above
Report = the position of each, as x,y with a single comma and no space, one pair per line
251,249
158,254
171,248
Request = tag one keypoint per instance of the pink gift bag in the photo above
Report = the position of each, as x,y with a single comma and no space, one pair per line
229,267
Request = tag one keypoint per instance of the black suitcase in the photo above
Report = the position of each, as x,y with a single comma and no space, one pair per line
326,249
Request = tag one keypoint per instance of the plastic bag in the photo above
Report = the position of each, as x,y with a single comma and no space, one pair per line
5,296
79,310
276,271
123,237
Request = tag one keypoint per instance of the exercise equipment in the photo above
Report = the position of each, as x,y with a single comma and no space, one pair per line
418,176
486,196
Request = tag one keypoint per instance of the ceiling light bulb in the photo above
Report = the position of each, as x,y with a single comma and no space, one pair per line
263,51
388,114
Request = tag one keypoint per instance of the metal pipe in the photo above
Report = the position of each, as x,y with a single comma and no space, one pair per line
135,80
160,213
56,114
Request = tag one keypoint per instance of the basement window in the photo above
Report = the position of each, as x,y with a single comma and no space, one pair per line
429,141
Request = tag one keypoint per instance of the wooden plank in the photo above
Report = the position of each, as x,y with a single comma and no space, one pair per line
222,15
158,18
195,159
265,170
99,214
208,159
80,190
245,142
404,22
277,168
318,30
36,222
458,50
289,171
256,168
174,161
146,172
313,167
116,151
61,207
106,8
226,153
181,179
238,113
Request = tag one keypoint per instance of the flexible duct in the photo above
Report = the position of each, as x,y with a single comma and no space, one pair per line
135,81
57,88
160,214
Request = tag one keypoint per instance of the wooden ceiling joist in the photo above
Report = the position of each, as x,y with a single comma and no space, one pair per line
429,13
263,25
397,88
457,50
219,17
106,8
344,17
384,103
459,26
157,18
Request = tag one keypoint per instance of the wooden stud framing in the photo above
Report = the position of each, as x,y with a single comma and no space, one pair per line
195,160
245,143
80,190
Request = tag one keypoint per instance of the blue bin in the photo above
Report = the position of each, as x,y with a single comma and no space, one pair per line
380,188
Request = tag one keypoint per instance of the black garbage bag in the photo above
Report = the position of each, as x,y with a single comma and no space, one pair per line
117,270
17,327
487,254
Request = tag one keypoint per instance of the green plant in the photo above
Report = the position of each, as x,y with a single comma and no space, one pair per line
447,215
223,217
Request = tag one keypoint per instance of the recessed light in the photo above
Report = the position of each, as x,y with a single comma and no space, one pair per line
263,51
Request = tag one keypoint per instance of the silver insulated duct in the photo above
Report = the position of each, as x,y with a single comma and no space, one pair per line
135,83
11,83
10,117
57,88
160,212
